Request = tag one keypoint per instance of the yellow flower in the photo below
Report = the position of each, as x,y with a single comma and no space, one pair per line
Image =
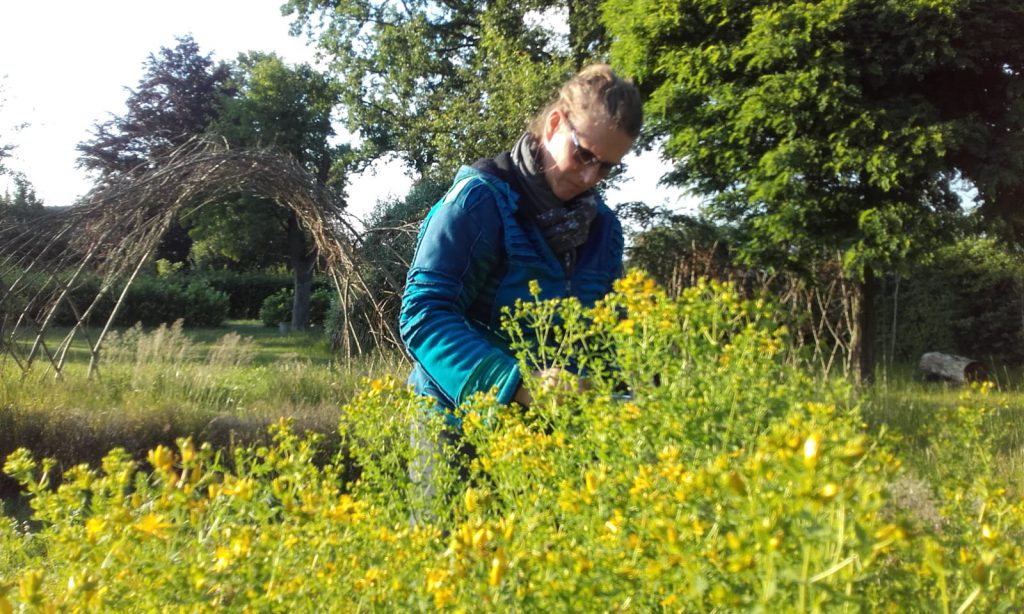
631,411
481,537
641,482
471,500
369,578
854,449
437,585
238,488
30,585
94,528
498,565
534,288
188,451
812,447
161,458
222,558
888,534
625,327
828,491
153,525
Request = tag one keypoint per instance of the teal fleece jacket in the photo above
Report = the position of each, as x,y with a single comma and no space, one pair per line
474,256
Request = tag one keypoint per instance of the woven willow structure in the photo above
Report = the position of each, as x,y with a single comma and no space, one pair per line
114,230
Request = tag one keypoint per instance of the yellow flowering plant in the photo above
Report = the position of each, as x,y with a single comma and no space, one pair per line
700,470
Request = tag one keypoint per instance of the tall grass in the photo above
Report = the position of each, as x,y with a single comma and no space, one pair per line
154,386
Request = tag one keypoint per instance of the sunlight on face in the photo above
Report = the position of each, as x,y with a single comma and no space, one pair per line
579,151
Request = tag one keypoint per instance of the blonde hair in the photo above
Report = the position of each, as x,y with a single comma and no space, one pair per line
596,90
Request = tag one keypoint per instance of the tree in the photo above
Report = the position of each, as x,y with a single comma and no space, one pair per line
23,202
444,83
286,108
831,127
176,99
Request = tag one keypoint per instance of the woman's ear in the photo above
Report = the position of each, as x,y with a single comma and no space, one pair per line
552,123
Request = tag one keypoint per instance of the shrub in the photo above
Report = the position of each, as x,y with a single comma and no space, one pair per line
278,307
150,300
967,301
154,301
246,290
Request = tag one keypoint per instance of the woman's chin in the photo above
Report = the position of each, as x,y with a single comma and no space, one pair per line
567,192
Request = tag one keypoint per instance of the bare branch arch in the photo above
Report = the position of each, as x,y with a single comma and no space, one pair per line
114,230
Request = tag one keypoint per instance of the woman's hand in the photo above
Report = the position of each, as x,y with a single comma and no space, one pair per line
554,378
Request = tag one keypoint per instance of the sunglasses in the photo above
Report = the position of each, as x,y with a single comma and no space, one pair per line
585,157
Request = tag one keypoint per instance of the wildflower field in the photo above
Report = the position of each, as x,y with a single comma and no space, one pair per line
703,470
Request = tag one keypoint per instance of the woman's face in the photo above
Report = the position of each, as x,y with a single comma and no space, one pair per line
579,152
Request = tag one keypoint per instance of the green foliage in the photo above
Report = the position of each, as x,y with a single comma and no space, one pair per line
286,108
743,486
444,84
246,290
201,298
967,300
832,126
23,202
677,250
242,233
154,301
277,307
279,106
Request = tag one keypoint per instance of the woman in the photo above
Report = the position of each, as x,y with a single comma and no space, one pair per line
528,214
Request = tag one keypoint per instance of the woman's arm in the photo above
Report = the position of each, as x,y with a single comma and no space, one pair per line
458,248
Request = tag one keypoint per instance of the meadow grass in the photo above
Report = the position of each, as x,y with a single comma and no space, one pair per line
223,385
911,409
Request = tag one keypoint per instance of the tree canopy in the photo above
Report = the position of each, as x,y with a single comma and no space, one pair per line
175,100
443,83
837,125
277,106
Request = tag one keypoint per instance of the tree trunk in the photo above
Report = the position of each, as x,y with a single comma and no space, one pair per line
868,317
302,261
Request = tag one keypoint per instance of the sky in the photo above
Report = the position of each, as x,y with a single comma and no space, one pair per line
65,65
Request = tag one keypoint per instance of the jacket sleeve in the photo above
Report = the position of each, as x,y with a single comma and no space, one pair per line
456,252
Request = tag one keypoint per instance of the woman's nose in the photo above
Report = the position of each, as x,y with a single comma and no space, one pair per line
590,174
